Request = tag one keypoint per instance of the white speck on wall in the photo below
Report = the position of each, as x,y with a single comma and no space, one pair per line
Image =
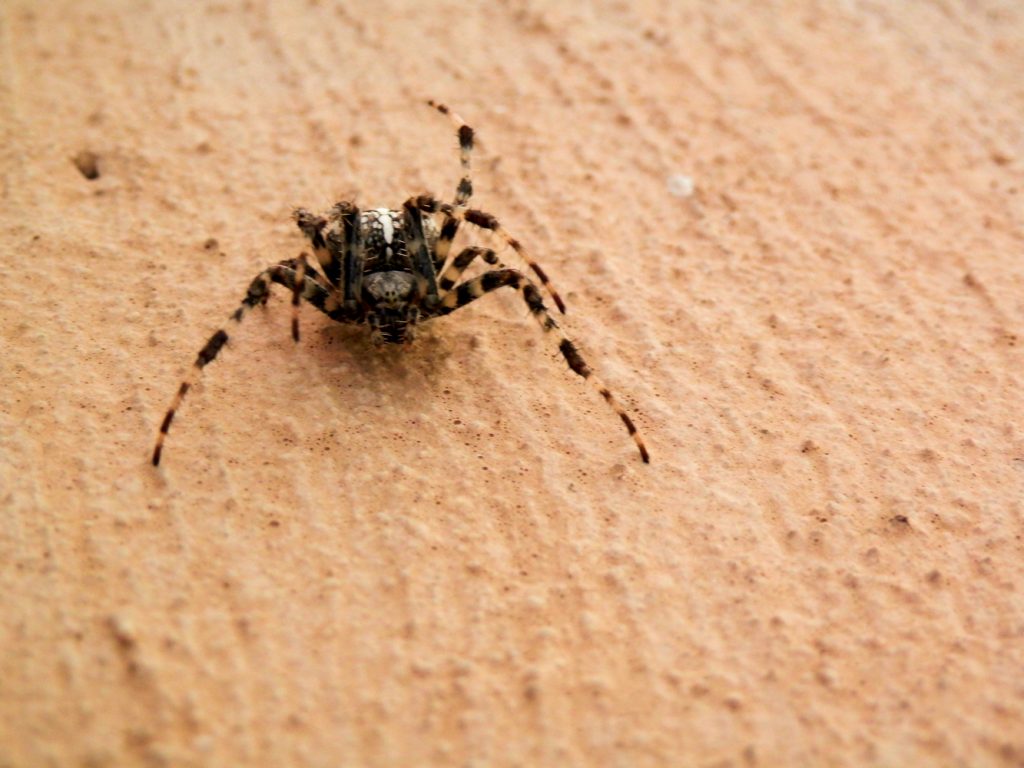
680,185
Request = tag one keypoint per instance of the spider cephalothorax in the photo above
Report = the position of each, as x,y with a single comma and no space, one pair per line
392,302
390,269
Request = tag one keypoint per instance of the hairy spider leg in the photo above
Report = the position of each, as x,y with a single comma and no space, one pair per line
302,266
416,242
463,192
313,227
465,189
445,238
337,245
348,245
489,222
285,274
451,275
473,289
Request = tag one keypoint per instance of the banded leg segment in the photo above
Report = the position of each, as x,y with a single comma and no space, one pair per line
299,282
472,290
206,355
451,275
417,245
443,247
465,189
579,365
463,192
313,227
258,292
490,222
348,245
337,245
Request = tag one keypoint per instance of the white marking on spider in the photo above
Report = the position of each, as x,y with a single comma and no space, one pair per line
387,224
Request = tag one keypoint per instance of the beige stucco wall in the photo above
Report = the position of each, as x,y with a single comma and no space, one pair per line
450,554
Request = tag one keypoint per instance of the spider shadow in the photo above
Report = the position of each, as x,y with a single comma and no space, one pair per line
398,370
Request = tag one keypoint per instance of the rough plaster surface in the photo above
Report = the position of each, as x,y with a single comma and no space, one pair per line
450,554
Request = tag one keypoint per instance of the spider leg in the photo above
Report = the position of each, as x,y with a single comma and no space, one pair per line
313,228
465,189
463,192
473,289
337,244
451,275
347,245
286,274
299,281
417,244
443,247
490,222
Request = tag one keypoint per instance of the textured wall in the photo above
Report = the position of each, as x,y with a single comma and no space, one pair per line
450,554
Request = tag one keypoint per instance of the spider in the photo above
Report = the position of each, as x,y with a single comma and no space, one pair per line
390,270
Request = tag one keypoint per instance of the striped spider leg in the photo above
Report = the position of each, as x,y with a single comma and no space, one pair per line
471,290
464,191
291,274
456,213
